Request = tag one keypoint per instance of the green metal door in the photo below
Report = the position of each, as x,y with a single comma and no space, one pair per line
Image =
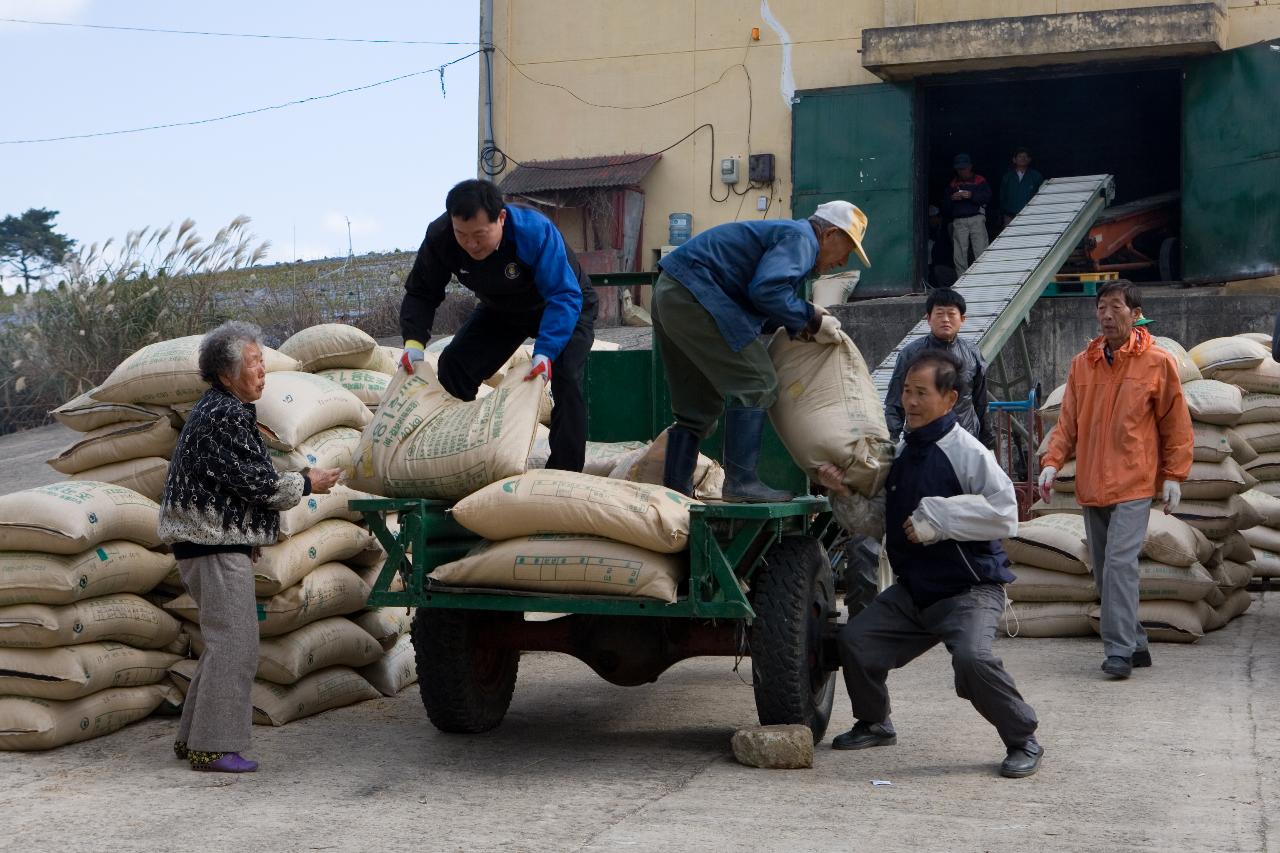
858,143
1231,164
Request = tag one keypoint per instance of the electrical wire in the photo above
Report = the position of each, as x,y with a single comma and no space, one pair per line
437,70
277,37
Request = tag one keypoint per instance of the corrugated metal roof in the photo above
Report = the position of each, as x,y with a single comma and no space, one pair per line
619,170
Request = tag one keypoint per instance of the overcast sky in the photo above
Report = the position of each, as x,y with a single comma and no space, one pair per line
383,158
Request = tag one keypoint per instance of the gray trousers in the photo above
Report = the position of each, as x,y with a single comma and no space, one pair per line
891,632
217,714
1115,534
965,233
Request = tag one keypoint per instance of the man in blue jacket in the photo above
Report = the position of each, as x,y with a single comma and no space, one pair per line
947,506
529,284
968,195
716,294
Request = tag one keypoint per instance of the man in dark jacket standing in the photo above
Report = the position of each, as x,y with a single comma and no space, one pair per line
944,312
529,284
1018,185
968,195
715,296
947,506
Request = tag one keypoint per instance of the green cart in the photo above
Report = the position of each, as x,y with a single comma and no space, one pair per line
760,585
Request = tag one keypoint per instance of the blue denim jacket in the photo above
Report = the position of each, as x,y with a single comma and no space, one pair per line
748,274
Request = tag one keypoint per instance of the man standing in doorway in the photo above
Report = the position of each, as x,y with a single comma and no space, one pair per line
1126,422
1018,185
714,297
529,284
944,312
968,195
947,506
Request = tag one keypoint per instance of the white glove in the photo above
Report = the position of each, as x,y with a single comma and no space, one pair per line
413,354
1172,494
829,331
1047,476
541,366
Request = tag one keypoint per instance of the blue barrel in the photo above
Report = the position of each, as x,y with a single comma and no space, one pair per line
679,228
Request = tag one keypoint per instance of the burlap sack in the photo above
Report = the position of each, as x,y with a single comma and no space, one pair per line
335,641
1260,408
395,670
1264,436
555,563
1213,402
1230,575
1263,379
1215,599
386,624
1211,481
314,509
1266,538
1235,605
1172,541
369,573
33,577
1054,542
286,563
647,464
28,723
69,672
859,515
1267,507
84,413
330,345
828,411
425,443
647,516
122,618
1059,502
277,704
1187,370
1033,584
1210,443
145,476
1265,563
329,448
168,372
368,385
74,516
603,457
1219,354
330,590
1047,619
1236,547
1051,408
385,360
1166,621
295,406
117,443
1065,481
1241,450
1176,583
1216,519
1265,468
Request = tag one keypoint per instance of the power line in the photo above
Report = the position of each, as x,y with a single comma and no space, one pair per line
438,70
272,36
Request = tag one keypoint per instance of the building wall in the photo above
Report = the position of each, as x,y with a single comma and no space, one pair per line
625,70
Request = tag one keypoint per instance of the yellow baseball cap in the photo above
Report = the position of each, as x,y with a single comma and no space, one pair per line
849,219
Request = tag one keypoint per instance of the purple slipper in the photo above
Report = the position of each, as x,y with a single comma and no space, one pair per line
225,762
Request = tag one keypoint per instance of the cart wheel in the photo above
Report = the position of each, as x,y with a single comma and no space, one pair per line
794,593
1170,259
465,687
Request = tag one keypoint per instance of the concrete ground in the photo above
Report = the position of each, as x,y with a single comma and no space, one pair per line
1181,757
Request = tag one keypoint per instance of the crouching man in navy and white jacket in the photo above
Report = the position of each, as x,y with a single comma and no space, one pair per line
947,506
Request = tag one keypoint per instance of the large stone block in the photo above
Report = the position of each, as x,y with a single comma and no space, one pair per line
774,747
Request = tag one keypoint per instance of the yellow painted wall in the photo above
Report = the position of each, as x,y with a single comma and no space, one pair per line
625,71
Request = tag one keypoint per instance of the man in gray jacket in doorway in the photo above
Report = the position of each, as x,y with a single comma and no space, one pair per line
944,312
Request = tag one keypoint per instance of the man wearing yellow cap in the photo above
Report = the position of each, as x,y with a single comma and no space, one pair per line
715,295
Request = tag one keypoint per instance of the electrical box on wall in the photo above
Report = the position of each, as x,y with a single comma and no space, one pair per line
760,169
729,170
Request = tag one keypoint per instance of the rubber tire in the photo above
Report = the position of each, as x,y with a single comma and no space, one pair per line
794,593
465,689
1170,262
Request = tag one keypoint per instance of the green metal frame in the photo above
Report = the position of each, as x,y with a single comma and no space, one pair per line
727,543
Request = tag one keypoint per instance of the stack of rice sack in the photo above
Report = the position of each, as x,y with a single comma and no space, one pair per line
565,532
345,355
82,651
308,585
131,423
1054,590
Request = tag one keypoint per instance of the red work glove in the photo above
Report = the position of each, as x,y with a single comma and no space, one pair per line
541,367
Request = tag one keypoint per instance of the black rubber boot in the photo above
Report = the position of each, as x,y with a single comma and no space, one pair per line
743,429
682,459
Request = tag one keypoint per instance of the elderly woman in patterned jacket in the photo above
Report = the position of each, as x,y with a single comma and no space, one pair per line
222,501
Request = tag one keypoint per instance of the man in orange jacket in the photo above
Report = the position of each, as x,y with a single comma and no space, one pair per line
1125,421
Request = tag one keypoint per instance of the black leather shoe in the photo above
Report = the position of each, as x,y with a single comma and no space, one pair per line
1022,761
864,735
1118,667
1141,658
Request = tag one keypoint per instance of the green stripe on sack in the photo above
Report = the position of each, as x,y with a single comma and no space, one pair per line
102,555
262,612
